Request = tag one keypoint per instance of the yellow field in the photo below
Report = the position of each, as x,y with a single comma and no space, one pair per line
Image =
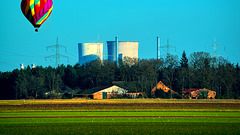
79,101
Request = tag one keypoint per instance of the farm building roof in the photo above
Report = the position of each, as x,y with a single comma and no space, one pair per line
95,89
114,90
105,88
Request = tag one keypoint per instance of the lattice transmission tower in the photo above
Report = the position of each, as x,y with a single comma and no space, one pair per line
168,47
215,45
57,56
215,53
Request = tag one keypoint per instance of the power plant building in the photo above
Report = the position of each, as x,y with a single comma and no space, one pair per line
128,49
112,48
89,52
120,49
116,50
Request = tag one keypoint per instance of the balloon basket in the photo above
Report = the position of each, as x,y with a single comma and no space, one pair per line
36,30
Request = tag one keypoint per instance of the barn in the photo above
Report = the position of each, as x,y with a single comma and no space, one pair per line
109,92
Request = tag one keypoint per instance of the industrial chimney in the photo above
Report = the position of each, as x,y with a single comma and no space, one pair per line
116,40
158,48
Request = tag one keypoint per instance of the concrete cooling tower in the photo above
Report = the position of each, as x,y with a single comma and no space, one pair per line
128,49
89,52
125,49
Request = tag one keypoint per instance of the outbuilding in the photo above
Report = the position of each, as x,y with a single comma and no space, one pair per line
133,95
107,93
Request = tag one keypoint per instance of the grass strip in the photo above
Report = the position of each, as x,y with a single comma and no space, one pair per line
120,126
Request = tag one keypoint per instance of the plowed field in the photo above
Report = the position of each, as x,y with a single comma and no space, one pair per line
89,106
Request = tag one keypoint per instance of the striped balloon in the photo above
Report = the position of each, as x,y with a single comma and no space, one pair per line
37,11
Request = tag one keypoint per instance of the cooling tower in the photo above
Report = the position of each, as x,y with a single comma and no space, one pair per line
89,52
128,49
21,66
111,50
125,49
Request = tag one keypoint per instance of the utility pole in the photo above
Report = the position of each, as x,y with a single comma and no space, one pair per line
56,56
168,46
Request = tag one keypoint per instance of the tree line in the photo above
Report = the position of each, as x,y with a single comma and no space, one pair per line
199,70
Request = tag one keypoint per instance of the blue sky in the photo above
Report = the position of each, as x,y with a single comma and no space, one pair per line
190,25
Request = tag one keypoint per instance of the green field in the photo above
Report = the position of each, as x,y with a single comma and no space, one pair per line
120,117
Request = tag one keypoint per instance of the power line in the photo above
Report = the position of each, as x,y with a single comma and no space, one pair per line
7,64
12,53
72,55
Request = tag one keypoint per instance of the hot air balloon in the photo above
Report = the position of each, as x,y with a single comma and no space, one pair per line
37,11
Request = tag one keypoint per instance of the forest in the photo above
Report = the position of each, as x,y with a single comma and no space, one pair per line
198,70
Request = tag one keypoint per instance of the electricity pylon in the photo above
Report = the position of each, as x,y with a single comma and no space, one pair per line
215,54
56,56
168,46
215,45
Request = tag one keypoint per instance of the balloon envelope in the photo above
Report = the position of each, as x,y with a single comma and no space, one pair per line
37,11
